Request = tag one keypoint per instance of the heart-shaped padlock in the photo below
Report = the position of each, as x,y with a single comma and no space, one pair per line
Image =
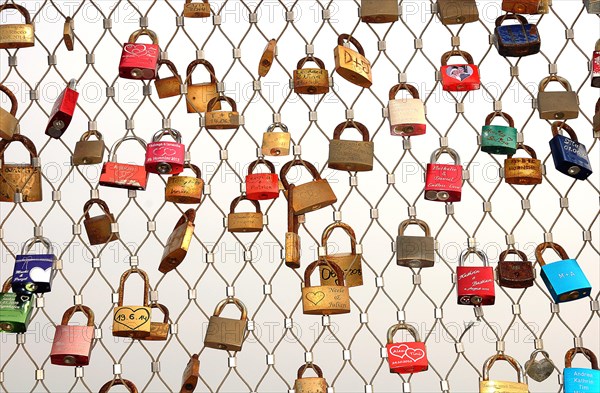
539,370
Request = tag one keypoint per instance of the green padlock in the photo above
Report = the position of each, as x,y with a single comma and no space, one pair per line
15,310
499,139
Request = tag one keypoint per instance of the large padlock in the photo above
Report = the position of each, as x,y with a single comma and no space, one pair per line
564,279
539,370
196,9
406,357
167,87
521,6
325,299
33,273
592,6
225,333
459,77
407,116
310,196
123,175
15,310
159,331
199,94
139,61
595,65
557,105
262,186
415,251
62,111
24,179
131,388
89,152
72,344
524,171
178,242
191,374
492,386
165,158
292,238
221,120
276,143
8,120
185,189
350,64
516,274
346,155
99,228
443,182
577,380
247,221
132,321
379,11
20,35
516,40
457,12
266,59
349,262
475,284
304,384
570,157
499,139
311,80
69,33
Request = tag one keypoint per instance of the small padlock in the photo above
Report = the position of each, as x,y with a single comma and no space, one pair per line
131,388
99,228
350,64
325,299
407,116
406,357
25,179
564,279
62,111
132,321
262,186
167,87
443,182
221,120
521,6
457,12
247,221
379,11
539,370
492,386
33,273
570,157
159,331
499,139
350,263
596,65
20,35
89,152
578,380
185,189
276,143
121,175
225,333
557,105
266,60
518,274
596,121
15,310
459,77
8,120
346,155
196,9
304,384
139,61
178,242
199,94
72,344
311,80
475,284
524,171
544,7
516,40
165,158
310,196
415,251
292,238
592,6
69,33
190,375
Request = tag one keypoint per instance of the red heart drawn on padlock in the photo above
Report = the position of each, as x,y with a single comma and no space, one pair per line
415,354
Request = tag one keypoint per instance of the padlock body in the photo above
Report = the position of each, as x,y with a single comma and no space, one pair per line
168,87
517,40
184,189
120,175
312,196
521,6
245,222
292,250
310,385
88,152
494,386
524,171
352,66
176,247
198,96
462,81
379,11
225,333
159,331
581,380
415,251
558,105
222,120
475,285
15,311
570,157
190,375
592,6
325,300
139,61
515,274
544,7
276,144
499,140
351,265
456,12
262,186
165,158
311,81
443,182
23,178
8,124
407,357
407,117
565,281
596,69
351,155
131,321
33,273
99,230
72,345
16,36
62,113
196,10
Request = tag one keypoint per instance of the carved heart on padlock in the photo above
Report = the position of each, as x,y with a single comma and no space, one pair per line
139,50
38,274
539,370
315,297
139,314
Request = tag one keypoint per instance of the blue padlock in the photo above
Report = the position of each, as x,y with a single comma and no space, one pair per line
581,380
33,272
522,39
564,279
499,139
570,157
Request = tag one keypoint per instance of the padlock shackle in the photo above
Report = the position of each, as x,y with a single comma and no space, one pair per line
351,40
176,135
539,250
412,90
306,59
465,253
512,361
194,169
189,1
78,308
293,222
306,366
554,78
188,216
192,66
597,47
322,262
520,18
588,353
170,65
38,239
402,326
96,201
128,384
4,143
413,221
451,152
144,31
561,125
13,100
504,115
277,125
286,167
465,55
347,228
231,300
22,10
254,164
364,132
6,287
86,135
124,278
237,200
511,251
162,309
113,150
527,149
213,101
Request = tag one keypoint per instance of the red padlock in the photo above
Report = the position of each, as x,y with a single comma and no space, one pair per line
139,61
459,77
596,65
475,284
120,175
406,357
262,186
443,182
72,344
62,111
165,158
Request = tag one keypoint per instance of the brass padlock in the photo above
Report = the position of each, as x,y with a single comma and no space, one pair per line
17,35
196,9
266,60
292,238
276,143
521,6
132,321
69,33
185,189
350,64
407,116
225,333
190,375
379,11
350,263
25,179
457,12
131,388
492,386
89,152
199,94
544,7
99,228
247,221
345,155
325,299
525,171
178,243
8,120
159,331
310,196
304,384
221,120
415,251
557,105
311,80
167,87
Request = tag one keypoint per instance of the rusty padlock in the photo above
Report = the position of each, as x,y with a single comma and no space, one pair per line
310,196
304,384
159,331
262,186
346,155
406,116
178,242
139,61
199,94
190,375
122,175
518,274
247,221
350,263
8,120
226,333
132,321
72,344
581,379
89,152
69,33
131,388
196,9
415,251
276,143
62,111
525,171
516,40
292,238
379,11
165,158
24,179
350,64
20,35
557,105
99,228
221,120
457,12
266,60
167,87
185,189
325,299
311,80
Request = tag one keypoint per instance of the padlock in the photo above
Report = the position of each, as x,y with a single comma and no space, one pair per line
196,9
564,279
325,299
521,6
185,189
596,121
475,284
72,344
276,143
570,157
33,273
557,105
415,251
499,139
190,375
131,388
304,384
292,238
347,155
178,242
350,263
379,11
578,380
20,35
262,186
539,370
62,111
311,80
592,6
199,94
15,310
121,175
8,120
159,331
225,333
459,77
516,274
25,179
165,158
99,228
167,87
407,116
89,152
132,321
595,65
492,386
68,33
139,61
443,182
247,221
457,12
266,60
310,196
221,120
351,64
516,40
524,171
406,357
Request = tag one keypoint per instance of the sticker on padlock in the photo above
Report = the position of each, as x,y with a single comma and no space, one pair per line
310,196
122,175
262,186
304,384
492,386
139,61
72,344
20,35
475,284
350,263
415,251
33,273
185,189
570,157
132,321
406,357
579,380
25,179
15,310
62,111
459,77
348,155
443,182
165,158
225,333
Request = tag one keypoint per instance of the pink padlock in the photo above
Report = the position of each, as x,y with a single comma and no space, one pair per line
72,345
165,158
